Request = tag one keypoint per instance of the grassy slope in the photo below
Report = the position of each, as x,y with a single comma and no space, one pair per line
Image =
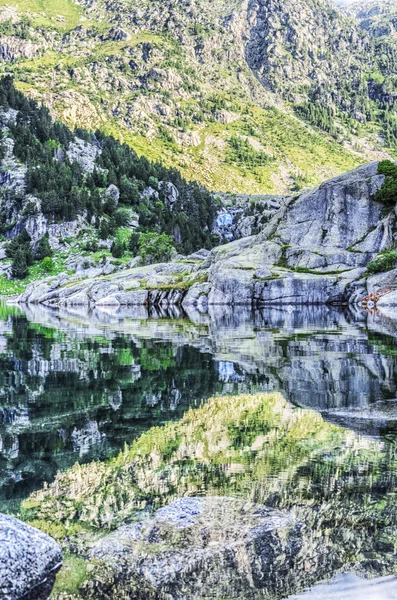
64,14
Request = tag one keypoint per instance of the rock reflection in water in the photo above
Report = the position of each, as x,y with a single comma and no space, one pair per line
77,385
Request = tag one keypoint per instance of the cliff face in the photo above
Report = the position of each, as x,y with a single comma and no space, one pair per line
294,46
314,250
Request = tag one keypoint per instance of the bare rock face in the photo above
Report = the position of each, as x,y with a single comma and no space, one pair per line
84,153
195,546
171,193
29,561
315,248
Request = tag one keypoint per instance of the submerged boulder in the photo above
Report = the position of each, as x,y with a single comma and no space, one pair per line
29,561
199,548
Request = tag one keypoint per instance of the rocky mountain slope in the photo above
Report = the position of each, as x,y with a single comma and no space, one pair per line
73,199
244,97
377,17
319,247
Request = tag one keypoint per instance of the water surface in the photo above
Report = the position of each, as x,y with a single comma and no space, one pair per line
76,386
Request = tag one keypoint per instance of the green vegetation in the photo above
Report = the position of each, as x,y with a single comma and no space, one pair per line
67,191
318,115
388,192
72,575
48,264
50,13
243,153
384,261
155,248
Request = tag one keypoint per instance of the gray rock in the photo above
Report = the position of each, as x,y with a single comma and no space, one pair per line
102,289
195,546
3,254
231,286
29,561
113,192
150,193
382,280
389,299
134,298
78,299
67,229
199,255
197,297
171,193
36,226
84,153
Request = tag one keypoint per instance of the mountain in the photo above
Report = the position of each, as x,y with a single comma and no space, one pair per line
110,97
243,97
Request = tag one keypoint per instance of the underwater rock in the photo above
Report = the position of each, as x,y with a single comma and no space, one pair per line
198,547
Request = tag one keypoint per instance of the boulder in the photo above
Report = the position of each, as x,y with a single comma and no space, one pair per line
197,297
202,254
196,546
132,298
84,153
78,299
29,561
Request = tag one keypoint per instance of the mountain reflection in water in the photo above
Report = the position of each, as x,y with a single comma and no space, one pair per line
77,386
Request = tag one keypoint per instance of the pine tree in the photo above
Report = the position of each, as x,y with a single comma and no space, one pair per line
43,248
19,267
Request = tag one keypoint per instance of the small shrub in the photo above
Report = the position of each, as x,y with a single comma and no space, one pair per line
48,264
384,261
388,168
118,248
91,246
19,267
43,248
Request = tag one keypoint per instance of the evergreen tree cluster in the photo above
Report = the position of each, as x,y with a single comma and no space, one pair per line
243,153
21,251
318,115
66,190
371,100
